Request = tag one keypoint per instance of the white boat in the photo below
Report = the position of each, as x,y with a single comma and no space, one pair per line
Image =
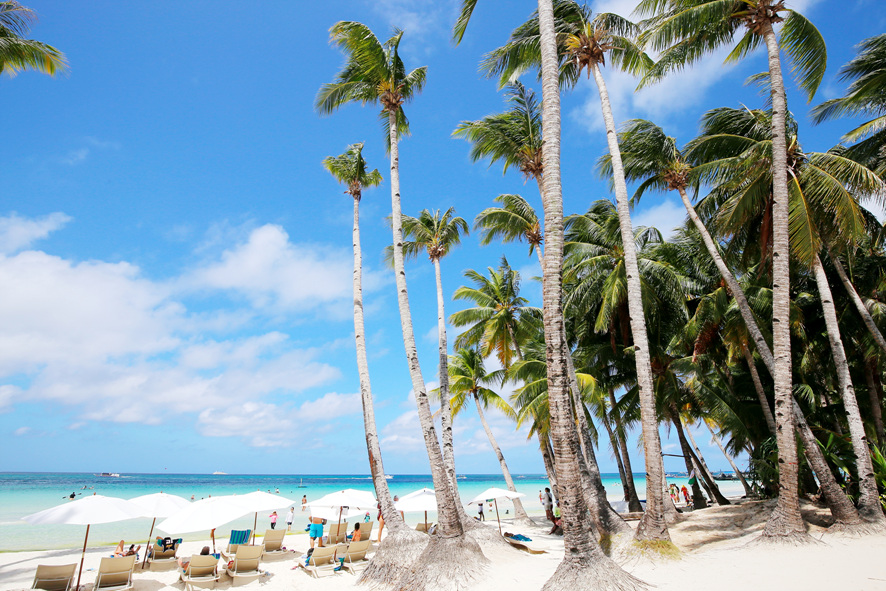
108,475
388,476
217,473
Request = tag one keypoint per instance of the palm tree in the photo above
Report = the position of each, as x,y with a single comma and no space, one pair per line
436,234
501,319
684,30
584,563
350,168
374,73
17,53
470,380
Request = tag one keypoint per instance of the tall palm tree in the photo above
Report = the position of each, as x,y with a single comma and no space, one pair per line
685,30
584,562
470,380
350,168
436,234
16,52
374,74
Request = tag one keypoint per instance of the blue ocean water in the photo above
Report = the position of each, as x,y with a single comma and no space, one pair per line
25,493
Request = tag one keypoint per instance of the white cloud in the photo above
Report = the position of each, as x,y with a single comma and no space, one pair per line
80,155
403,434
876,207
273,272
17,232
21,431
418,18
666,216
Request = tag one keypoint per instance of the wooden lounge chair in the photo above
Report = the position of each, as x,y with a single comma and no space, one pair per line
54,577
238,536
245,566
322,560
115,573
273,543
521,545
355,556
366,528
202,571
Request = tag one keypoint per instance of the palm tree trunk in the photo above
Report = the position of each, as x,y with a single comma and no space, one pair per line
584,565
634,505
393,520
758,386
446,511
402,546
613,444
870,374
706,472
445,406
547,454
698,500
844,512
859,304
748,491
869,499
737,292
785,522
652,526
519,511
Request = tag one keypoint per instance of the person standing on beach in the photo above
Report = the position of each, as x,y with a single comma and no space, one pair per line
315,532
289,517
304,502
482,517
548,504
273,517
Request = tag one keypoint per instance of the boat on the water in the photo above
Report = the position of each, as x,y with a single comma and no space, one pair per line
108,475
725,476
217,473
388,476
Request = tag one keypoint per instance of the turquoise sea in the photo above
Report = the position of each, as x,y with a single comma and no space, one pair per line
25,493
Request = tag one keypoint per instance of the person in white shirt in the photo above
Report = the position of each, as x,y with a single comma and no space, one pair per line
289,518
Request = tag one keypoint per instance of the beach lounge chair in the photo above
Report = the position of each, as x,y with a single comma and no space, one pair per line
202,572
243,568
366,528
355,556
523,545
273,543
160,557
238,536
115,573
322,561
54,577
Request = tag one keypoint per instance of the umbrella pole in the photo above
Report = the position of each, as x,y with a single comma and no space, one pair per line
338,527
426,521
150,543
254,525
212,534
496,516
82,556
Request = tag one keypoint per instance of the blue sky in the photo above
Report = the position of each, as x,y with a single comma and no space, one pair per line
176,263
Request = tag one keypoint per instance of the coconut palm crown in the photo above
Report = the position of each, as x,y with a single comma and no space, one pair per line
373,74
350,168
18,53
433,233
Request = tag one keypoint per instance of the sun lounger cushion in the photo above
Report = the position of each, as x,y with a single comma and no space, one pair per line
115,573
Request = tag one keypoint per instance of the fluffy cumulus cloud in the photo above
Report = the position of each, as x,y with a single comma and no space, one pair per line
666,216
103,342
419,18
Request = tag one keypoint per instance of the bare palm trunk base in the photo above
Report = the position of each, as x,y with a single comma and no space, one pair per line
446,563
575,573
394,558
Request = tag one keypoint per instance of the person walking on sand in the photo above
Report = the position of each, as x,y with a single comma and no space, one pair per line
315,532
304,502
289,517
548,504
481,517
273,517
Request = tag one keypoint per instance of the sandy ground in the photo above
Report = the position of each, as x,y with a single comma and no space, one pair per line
715,544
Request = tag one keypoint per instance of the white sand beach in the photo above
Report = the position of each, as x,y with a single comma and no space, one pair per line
714,543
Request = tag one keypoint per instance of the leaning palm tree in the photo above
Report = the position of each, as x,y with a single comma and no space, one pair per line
436,234
18,53
374,73
685,30
350,168
470,380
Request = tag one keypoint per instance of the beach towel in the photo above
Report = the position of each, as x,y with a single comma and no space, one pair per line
240,536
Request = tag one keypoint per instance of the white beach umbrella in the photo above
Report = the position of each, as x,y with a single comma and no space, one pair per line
205,514
423,499
158,505
348,500
495,494
260,501
86,511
